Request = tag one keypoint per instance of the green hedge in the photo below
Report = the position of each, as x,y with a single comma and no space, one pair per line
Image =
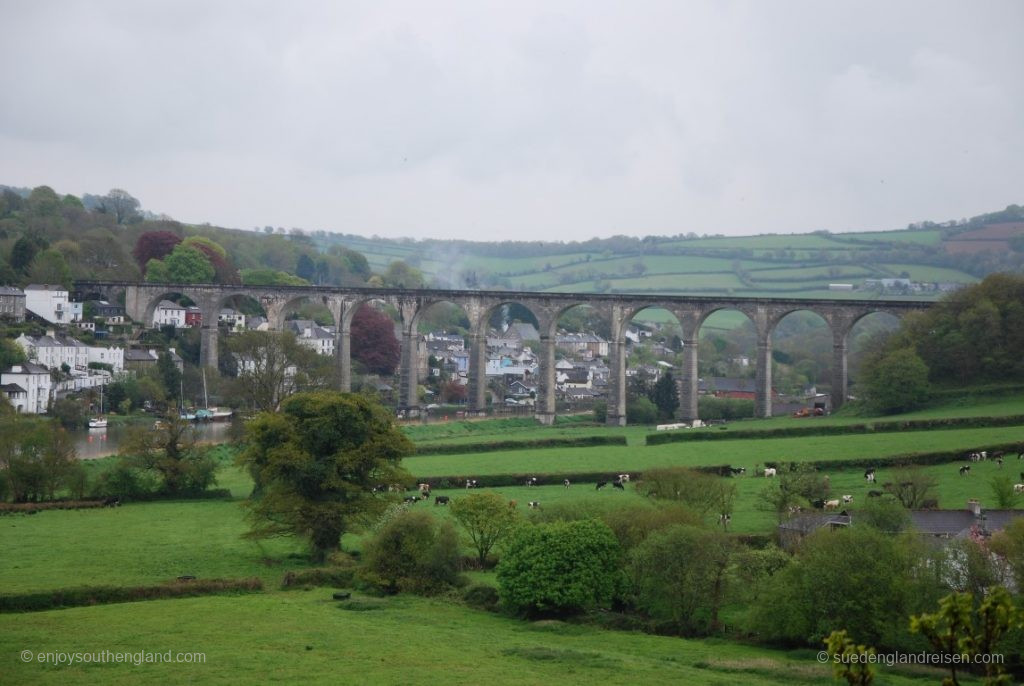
334,577
99,595
531,444
904,460
663,437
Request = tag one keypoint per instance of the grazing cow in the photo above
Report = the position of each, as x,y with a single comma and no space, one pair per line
874,494
566,483
869,475
999,461
534,504
998,453
618,485
411,499
1018,488
512,504
929,504
424,488
966,469
112,502
425,495
624,478
818,504
441,500
847,499
532,481
769,471
471,483
831,504
600,485
735,471
725,519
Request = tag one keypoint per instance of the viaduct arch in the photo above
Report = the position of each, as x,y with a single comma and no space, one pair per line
618,309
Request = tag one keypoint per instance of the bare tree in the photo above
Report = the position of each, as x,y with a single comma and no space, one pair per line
273,365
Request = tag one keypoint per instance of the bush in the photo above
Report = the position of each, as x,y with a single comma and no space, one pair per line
481,596
710,407
600,412
334,577
641,411
679,576
560,568
701,492
632,524
127,483
413,552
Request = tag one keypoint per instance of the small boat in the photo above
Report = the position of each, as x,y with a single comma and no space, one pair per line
98,423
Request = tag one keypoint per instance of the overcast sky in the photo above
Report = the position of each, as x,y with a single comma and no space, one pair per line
521,120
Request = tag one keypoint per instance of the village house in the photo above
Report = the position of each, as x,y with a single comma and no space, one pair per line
312,335
53,351
168,313
12,304
231,318
142,359
193,317
51,304
36,383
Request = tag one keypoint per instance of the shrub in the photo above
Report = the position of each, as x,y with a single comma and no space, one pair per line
710,407
97,595
334,577
699,491
122,481
413,552
559,568
641,411
679,575
632,524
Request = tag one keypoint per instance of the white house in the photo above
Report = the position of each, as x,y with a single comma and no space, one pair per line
12,303
312,335
50,303
35,381
169,314
235,320
53,351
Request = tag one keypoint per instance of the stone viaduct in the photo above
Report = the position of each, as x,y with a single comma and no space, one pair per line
141,300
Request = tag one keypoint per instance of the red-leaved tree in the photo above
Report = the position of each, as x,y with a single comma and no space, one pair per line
154,245
373,341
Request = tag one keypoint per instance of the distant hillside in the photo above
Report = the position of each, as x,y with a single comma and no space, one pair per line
920,261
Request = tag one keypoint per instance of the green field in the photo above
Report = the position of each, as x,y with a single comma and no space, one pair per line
305,637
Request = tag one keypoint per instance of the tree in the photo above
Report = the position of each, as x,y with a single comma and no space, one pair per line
896,382
912,486
189,265
274,365
315,465
413,552
120,205
679,575
154,245
169,374
400,275
957,629
665,396
24,251
851,661
1009,545
486,518
49,266
216,255
43,202
559,568
702,493
37,458
373,341
305,269
170,451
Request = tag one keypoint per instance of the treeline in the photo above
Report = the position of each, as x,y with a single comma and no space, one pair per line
973,336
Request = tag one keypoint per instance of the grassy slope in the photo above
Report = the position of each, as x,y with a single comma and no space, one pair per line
304,637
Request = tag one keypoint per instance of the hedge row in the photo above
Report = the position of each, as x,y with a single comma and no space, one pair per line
13,508
99,595
903,460
501,480
663,437
531,444
334,577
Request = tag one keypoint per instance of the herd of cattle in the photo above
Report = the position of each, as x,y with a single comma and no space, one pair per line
618,482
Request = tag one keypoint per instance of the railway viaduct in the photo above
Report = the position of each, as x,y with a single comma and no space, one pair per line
141,300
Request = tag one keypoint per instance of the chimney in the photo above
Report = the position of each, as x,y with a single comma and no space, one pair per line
51,333
974,506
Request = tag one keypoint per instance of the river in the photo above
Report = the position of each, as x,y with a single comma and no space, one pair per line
93,443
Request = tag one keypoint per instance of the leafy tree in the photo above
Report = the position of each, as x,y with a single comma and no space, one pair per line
665,395
1009,544
154,245
169,374
400,275
632,524
37,458
157,272
486,518
850,661
189,265
69,413
170,451
856,577
641,411
10,353
1002,491
702,493
797,486
315,465
373,341
273,365
896,382
270,277
49,266
958,629
414,552
885,514
559,568
305,269
24,251
120,205
223,270
679,575
43,202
